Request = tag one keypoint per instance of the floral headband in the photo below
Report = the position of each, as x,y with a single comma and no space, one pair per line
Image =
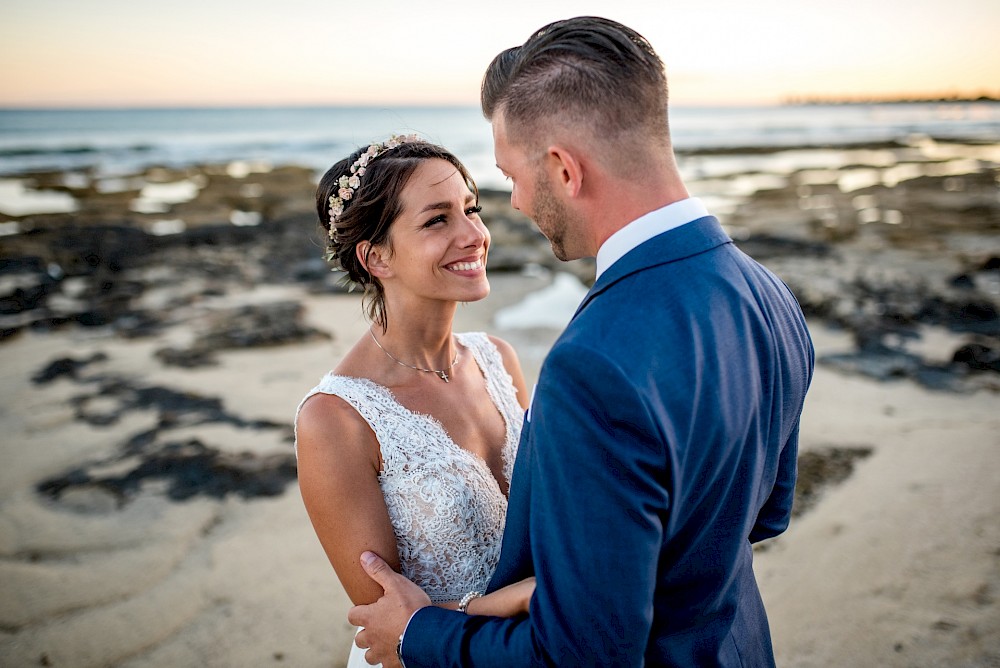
349,183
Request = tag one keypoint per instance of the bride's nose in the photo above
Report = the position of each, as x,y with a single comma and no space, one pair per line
473,233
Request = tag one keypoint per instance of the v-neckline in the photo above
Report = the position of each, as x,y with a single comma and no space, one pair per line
478,459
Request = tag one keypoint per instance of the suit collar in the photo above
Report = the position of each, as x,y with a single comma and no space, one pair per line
690,239
646,227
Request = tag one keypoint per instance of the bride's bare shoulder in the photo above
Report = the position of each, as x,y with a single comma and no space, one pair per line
329,427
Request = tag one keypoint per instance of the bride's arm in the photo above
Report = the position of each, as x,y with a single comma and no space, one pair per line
509,601
338,465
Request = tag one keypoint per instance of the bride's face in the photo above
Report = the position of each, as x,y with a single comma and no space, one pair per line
439,243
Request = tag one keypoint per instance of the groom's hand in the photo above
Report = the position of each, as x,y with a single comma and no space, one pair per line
385,619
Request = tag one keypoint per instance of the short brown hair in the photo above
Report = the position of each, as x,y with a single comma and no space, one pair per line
588,70
369,214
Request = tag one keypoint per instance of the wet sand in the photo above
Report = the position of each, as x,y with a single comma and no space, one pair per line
899,564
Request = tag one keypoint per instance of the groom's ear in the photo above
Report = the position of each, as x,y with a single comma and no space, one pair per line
565,168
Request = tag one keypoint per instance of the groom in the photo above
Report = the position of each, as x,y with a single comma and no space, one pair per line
661,441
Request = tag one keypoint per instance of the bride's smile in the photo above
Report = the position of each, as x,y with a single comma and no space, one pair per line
439,244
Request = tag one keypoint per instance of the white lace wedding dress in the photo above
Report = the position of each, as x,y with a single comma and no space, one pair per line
446,508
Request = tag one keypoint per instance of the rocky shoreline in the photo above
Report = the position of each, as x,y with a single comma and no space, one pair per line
888,261
891,265
142,291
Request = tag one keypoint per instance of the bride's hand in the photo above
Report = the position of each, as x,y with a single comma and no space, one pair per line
510,601
524,589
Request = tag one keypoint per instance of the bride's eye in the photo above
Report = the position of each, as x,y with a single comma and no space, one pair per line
435,220
473,210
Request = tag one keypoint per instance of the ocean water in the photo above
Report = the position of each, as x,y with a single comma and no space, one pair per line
112,142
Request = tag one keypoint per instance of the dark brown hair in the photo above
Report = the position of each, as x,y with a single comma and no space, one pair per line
586,70
369,214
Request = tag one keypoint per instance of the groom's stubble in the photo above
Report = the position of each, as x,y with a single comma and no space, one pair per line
554,219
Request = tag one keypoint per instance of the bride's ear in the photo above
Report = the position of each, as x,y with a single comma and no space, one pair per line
373,259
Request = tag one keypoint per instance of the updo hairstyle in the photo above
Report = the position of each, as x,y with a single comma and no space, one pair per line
369,214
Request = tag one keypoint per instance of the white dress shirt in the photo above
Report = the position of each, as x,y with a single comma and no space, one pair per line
646,227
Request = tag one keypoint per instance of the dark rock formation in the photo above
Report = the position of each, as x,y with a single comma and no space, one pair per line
821,468
249,326
65,366
190,468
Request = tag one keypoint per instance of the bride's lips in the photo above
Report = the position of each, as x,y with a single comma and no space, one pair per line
468,266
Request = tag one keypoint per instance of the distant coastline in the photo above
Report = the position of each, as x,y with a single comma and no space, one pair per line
125,142
816,100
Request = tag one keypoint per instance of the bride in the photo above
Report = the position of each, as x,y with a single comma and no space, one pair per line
406,448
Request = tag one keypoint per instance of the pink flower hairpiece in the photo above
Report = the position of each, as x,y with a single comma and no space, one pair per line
348,184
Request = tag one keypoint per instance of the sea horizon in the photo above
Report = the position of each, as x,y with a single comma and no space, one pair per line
122,140
786,101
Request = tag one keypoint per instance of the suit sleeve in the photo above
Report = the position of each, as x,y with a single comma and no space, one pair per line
774,516
599,505
776,513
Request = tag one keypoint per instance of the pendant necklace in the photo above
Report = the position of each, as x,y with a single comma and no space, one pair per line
441,373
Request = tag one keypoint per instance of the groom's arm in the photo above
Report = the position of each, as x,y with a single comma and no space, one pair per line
598,509
774,516
776,513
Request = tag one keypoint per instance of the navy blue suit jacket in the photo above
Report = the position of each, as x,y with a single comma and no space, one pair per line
661,443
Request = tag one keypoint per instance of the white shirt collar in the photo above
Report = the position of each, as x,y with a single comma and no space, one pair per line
646,227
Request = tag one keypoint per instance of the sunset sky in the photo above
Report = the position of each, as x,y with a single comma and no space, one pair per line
224,52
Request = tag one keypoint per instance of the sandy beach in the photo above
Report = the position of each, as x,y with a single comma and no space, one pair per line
149,514
897,565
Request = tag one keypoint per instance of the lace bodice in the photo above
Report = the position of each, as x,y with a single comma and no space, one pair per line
446,508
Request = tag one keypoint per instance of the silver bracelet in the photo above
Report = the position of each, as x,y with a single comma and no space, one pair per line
466,600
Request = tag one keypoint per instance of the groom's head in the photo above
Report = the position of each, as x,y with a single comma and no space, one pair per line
585,75
579,115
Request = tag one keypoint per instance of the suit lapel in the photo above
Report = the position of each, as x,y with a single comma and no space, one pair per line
690,239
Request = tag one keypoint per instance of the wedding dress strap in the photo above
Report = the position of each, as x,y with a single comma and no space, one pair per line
386,416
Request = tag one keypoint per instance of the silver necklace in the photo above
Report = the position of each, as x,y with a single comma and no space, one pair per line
441,373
